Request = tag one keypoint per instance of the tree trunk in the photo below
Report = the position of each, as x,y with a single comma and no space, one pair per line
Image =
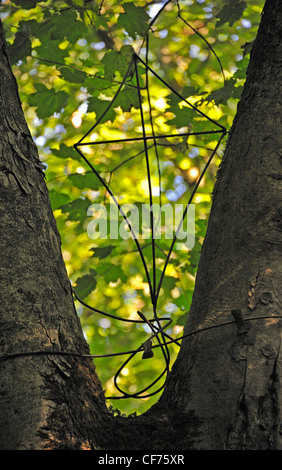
224,389
42,397
229,379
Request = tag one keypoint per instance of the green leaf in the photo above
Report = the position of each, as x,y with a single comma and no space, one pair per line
21,47
247,47
86,284
183,319
182,303
66,152
53,54
194,261
88,180
201,227
78,3
169,283
58,199
183,115
183,118
242,69
72,75
66,25
134,20
102,252
231,12
97,83
47,101
101,20
77,209
26,4
189,91
127,99
117,61
113,275
229,90
99,107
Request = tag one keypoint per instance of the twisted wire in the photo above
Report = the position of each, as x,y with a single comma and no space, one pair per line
155,324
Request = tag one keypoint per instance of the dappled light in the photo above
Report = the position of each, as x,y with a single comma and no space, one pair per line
70,60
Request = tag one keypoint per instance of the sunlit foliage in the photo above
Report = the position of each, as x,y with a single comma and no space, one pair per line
69,58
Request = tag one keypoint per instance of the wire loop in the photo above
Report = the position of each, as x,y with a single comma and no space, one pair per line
157,324
158,331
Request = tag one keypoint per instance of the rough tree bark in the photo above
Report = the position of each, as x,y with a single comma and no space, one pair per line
224,389
232,383
37,310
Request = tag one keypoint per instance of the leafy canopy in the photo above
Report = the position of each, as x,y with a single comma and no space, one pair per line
69,58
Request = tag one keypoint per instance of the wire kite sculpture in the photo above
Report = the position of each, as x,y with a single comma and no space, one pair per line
156,324
151,141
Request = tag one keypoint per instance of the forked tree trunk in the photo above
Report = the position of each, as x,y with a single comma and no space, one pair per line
224,390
